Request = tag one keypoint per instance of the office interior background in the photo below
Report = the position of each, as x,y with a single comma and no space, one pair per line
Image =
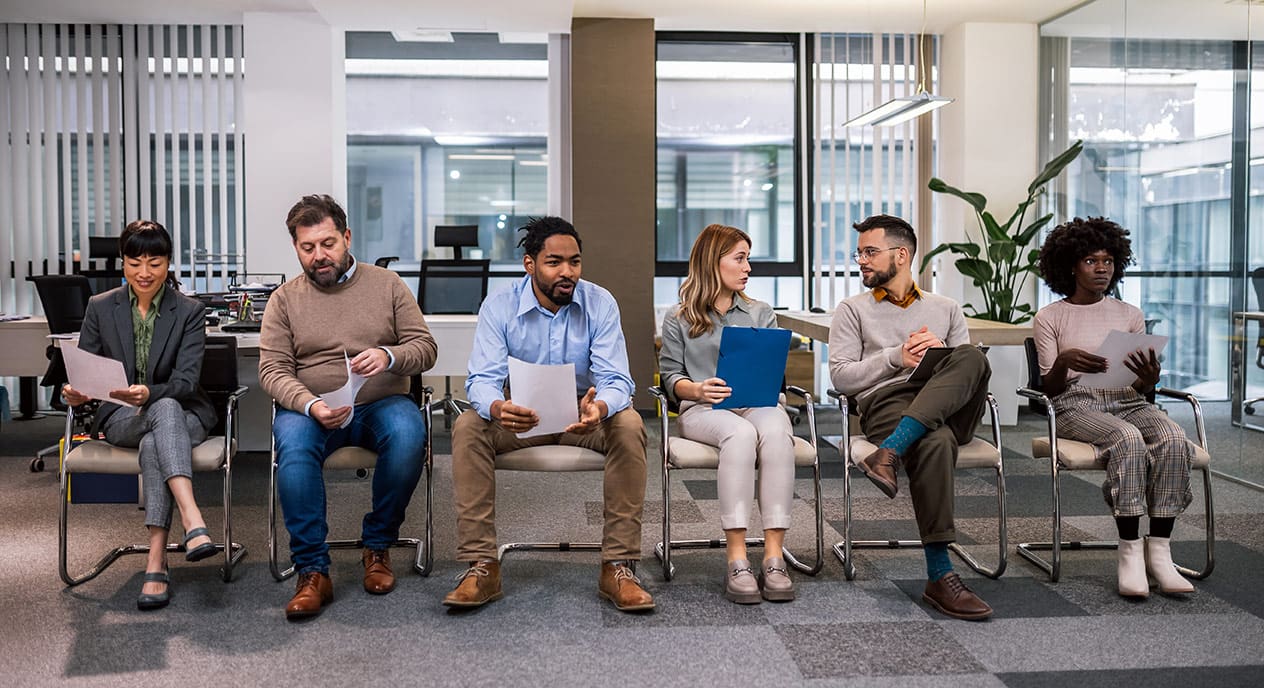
162,114
644,121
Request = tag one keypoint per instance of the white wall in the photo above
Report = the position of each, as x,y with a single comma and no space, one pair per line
295,124
988,138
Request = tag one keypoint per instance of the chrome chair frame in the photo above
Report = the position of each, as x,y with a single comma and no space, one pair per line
663,549
843,549
1053,566
586,460
356,458
233,551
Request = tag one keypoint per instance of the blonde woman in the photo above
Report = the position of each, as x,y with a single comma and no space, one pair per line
712,298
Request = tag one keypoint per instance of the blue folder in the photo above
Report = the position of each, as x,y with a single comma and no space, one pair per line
753,363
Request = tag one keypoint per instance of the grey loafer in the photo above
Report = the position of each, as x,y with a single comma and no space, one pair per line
777,584
740,584
147,602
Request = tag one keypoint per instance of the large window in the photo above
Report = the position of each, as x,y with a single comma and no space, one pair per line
726,154
440,133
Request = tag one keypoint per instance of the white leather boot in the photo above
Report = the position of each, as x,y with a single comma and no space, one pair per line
1131,569
1159,564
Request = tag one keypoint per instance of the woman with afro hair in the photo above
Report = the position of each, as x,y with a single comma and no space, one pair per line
1147,456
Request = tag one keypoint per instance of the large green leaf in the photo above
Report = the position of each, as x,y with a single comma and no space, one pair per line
976,200
965,249
1018,212
1002,251
1003,299
994,230
976,269
1055,166
1028,233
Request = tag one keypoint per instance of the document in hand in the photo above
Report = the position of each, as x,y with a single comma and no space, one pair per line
549,390
931,358
92,375
1115,350
346,394
753,363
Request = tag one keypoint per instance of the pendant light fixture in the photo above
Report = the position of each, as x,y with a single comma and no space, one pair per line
903,109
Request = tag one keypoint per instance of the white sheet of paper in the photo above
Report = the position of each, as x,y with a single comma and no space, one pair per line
1115,350
346,394
549,390
93,375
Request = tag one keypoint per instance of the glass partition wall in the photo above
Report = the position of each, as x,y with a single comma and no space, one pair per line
1171,152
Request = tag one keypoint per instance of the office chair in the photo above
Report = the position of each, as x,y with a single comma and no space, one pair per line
978,453
64,299
1070,455
451,287
385,261
677,453
215,454
1257,281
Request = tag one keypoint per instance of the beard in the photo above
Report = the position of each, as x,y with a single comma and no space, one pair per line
330,279
552,293
878,278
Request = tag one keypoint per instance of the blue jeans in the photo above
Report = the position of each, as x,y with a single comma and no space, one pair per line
393,427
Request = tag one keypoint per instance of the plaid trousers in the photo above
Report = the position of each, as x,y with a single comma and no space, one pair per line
1146,454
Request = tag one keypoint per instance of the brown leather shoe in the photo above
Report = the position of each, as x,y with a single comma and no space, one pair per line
313,591
951,597
880,467
619,585
477,585
378,578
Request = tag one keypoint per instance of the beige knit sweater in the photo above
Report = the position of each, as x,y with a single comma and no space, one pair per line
306,328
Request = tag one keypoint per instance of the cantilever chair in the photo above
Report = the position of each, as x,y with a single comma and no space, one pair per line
1257,281
215,454
1082,456
978,453
361,461
549,458
678,453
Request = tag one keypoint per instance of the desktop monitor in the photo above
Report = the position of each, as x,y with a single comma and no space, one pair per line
104,247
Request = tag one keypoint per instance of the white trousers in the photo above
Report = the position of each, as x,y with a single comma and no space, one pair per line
745,436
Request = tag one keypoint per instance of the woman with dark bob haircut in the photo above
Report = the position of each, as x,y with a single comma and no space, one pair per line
1146,454
157,333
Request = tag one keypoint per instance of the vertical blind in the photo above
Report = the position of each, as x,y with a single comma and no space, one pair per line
858,171
102,124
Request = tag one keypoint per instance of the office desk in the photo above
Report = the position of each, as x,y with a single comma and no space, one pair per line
816,326
22,346
1238,365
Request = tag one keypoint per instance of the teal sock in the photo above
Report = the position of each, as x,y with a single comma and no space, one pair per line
937,563
905,434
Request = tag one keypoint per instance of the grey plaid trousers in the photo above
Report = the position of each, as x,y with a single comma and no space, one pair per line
1146,455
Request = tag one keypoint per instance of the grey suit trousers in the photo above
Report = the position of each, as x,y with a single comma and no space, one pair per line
165,433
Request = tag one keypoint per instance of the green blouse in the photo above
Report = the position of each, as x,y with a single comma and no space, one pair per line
143,330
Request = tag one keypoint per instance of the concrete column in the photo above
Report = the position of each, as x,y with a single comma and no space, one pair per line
295,127
612,166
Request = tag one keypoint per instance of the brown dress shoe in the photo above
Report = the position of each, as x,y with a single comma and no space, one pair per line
880,468
476,586
951,596
378,578
313,591
619,585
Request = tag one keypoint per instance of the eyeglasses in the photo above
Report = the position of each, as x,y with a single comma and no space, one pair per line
864,255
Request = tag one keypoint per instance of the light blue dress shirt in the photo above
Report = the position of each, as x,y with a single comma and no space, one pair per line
587,332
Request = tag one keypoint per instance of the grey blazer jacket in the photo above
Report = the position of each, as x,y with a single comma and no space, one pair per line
175,355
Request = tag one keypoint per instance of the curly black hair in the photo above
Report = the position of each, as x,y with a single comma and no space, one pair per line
1070,242
538,229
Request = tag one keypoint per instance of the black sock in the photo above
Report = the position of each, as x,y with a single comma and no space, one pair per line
1129,527
1162,527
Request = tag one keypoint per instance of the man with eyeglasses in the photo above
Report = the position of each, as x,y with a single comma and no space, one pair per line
876,340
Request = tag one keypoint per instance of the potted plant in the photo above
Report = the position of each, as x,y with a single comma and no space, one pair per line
1000,263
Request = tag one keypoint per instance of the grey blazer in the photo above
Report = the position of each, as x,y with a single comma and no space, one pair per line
175,355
